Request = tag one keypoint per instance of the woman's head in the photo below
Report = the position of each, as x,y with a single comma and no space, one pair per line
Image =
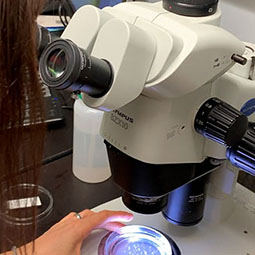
20,98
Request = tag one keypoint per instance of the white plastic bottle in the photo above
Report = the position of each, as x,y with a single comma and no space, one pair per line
90,161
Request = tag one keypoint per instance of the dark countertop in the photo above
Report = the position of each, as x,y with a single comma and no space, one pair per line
71,194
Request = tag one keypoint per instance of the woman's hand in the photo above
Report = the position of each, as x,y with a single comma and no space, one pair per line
66,237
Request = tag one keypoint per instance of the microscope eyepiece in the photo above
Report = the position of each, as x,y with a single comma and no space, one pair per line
43,38
192,8
63,65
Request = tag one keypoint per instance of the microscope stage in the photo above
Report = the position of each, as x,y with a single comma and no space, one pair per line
235,235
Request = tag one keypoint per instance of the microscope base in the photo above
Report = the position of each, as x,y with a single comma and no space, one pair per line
234,235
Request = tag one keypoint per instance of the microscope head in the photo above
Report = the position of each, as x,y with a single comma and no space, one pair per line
151,71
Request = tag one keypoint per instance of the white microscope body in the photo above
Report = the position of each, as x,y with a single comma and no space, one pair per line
165,66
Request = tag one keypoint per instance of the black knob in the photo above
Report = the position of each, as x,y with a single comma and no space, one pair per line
243,154
193,8
239,59
220,122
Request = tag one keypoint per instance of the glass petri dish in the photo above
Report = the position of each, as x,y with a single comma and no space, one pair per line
135,240
24,215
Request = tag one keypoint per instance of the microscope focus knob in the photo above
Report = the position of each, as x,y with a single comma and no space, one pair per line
220,122
242,155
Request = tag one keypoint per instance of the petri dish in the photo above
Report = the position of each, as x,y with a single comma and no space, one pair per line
135,240
24,215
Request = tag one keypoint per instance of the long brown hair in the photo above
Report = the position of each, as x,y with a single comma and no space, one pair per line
21,145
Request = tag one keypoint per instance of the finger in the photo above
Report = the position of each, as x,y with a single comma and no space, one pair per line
86,213
113,216
113,226
72,215
100,220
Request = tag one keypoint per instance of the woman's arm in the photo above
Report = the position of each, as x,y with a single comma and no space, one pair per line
66,236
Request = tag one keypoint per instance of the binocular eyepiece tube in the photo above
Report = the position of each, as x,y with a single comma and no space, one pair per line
63,65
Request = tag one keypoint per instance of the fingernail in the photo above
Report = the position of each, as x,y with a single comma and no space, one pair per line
131,216
118,230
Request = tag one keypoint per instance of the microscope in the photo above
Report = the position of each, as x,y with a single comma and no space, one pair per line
177,93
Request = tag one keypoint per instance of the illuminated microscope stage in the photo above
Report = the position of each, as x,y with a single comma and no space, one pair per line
235,235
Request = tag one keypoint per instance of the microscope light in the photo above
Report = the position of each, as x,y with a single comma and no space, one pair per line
136,240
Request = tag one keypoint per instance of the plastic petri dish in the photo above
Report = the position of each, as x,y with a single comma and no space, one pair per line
24,215
135,240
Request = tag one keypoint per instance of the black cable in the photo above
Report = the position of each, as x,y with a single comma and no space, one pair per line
65,17
57,156
60,14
